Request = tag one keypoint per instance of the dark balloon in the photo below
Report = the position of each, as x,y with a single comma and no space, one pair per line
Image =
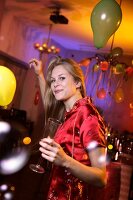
116,52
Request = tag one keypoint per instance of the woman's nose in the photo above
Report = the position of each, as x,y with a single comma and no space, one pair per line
56,83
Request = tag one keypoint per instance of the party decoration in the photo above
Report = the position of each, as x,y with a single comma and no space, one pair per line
131,105
107,72
96,67
7,86
105,20
119,95
129,70
118,69
37,97
85,62
118,51
131,109
104,65
101,93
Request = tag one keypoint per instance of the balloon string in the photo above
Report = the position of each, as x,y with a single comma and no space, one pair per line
120,2
109,101
94,84
109,78
87,72
103,81
112,43
98,83
120,82
99,80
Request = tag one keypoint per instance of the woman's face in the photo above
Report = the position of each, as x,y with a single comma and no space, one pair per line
63,84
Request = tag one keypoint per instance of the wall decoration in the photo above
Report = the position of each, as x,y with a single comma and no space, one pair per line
37,97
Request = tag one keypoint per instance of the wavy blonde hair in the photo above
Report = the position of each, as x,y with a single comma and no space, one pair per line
54,108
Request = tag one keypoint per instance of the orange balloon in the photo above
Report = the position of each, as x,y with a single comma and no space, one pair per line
104,65
85,62
119,95
101,94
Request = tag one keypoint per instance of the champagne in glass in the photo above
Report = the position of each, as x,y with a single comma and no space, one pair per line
49,130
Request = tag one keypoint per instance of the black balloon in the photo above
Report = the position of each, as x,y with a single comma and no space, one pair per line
117,51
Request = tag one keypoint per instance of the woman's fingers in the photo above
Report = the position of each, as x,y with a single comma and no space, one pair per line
52,151
49,145
48,149
33,62
37,65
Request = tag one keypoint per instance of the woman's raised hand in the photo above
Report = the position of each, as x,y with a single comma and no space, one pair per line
37,65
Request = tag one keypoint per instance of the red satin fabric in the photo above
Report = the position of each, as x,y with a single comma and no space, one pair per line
82,125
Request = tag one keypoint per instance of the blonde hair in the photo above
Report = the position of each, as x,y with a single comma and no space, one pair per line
54,108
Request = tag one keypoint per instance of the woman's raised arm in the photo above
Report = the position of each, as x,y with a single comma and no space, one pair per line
38,69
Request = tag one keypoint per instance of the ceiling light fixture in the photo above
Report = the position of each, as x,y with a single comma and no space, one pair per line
45,48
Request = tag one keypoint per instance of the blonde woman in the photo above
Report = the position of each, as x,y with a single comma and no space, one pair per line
78,148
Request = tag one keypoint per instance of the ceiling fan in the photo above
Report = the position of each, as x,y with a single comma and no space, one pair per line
57,18
56,6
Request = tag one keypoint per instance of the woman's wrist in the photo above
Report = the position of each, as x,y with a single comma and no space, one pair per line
67,162
39,74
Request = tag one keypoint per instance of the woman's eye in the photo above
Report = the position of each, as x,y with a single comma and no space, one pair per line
62,78
52,81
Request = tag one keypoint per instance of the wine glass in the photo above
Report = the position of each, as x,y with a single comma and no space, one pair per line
49,130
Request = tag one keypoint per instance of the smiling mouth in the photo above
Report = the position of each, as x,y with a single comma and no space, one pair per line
57,91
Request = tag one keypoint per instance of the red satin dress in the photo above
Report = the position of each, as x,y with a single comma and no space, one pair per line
82,125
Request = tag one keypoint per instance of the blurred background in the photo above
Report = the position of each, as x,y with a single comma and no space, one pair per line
74,29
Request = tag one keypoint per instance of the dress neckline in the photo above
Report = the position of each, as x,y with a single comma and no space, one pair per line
78,103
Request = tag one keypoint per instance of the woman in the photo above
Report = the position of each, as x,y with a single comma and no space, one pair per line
78,148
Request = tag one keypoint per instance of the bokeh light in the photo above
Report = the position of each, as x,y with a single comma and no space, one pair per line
4,128
3,187
7,191
27,140
110,146
92,145
14,154
102,159
14,162
8,196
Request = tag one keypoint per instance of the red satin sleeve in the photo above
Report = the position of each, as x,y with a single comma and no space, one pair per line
91,131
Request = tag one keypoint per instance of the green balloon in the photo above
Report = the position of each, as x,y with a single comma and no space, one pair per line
105,19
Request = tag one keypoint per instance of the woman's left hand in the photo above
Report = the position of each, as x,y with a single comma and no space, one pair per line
52,151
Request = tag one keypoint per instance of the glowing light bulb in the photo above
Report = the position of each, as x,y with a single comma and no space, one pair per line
110,146
27,140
